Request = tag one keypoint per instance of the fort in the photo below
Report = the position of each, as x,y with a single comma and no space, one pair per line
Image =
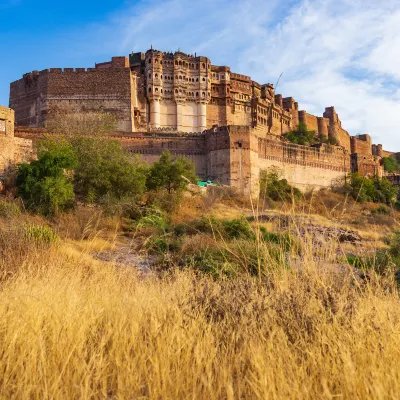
230,126
13,150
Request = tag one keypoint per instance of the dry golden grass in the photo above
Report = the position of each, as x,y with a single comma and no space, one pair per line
72,327
97,332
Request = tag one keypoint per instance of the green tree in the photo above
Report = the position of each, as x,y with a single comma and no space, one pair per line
105,170
301,135
171,174
45,184
390,164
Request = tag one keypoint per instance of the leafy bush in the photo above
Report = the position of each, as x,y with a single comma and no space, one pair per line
390,164
104,170
9,210
285,240
271,186
212,262
238,228
301,135
41,234
378,190
45,184
382,210
172,175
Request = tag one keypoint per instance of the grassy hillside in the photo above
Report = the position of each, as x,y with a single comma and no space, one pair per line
240,303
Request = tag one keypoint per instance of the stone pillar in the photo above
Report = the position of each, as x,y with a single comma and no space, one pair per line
155,113
202,116
179,127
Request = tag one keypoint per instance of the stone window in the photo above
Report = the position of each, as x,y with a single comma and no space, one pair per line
197,79
176,90
203,65
156,89
204,79
156,76
176,62
2,126
149,89
203,94
197,94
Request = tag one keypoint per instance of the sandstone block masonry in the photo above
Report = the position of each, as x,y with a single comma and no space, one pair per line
158,90
229,125
13,150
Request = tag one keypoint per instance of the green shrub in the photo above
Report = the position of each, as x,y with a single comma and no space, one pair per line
41,234
154,218
105,171
284,240
274,188
9,210
238,228
301,135
390,164
382,210
377,190
212,262
171,174
45,184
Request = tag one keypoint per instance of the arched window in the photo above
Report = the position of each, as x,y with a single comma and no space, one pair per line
149,75
176,62
197,94
203,95
156,76
156,61
161,76
180,77
176,90
203,65
180,62
204,79
176,77
149,89
197,79
161,90
156,89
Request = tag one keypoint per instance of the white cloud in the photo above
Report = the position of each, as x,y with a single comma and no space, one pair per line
344,53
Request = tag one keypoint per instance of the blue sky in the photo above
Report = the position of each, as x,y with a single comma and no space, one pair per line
344,53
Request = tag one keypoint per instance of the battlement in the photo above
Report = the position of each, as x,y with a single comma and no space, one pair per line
240,77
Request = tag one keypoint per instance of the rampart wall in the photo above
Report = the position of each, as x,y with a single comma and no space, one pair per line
57,91
13,150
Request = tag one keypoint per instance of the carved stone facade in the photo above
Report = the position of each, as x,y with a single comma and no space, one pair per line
231,126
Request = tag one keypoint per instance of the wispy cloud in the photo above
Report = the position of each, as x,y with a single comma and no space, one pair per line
344,53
